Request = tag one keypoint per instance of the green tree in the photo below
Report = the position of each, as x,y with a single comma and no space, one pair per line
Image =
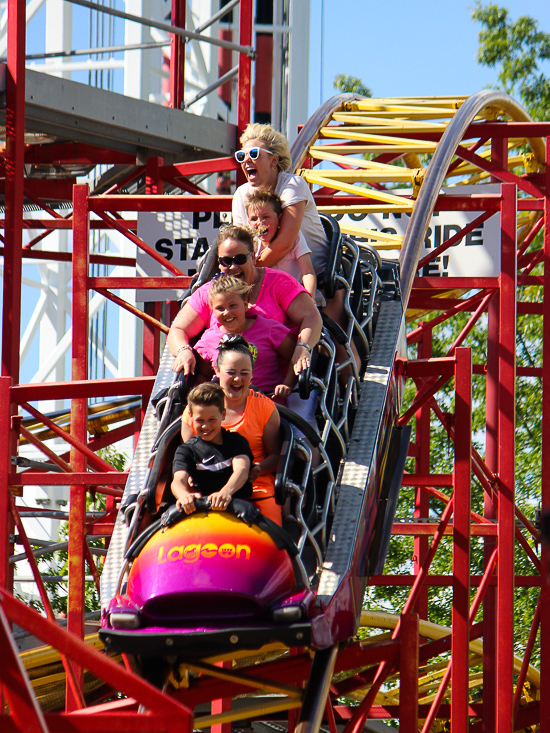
517,50
345,83
57,563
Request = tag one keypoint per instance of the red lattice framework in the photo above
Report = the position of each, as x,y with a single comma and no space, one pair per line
504,529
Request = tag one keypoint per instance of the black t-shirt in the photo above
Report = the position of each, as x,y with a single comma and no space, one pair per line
210,464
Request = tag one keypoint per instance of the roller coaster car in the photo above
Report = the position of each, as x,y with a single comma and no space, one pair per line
205,583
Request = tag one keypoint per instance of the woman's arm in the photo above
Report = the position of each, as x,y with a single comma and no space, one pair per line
272,444
309,279
187,324
285,351
289,228
186,432
303,312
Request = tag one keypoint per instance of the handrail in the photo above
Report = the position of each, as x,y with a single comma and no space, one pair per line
188,35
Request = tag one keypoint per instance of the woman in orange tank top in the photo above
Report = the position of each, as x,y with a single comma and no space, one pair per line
252,415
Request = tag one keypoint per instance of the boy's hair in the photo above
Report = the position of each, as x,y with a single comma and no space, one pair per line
229,284
273,140
206,395
241,234
260,198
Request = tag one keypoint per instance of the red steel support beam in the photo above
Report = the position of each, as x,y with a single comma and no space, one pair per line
79,420
222,705
114,224
151,335
422,499
98,461
490,543
506,461
461,541
72,681
545,472
245,65
409,664
15,167
24,707
177,56
151,340
5,474
454,240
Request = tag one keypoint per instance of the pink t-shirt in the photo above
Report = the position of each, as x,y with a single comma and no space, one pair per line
266,335
277,292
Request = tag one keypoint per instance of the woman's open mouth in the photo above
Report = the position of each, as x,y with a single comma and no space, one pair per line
250,172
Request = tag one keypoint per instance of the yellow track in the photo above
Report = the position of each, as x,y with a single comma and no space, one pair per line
366,128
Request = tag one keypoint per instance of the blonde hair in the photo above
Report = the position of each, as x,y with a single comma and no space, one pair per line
229,284
274,142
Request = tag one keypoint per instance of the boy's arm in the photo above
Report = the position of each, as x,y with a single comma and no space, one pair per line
309,278
185,497
241,466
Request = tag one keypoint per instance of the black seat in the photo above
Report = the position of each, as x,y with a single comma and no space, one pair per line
160,476
328,281
207,269
291,465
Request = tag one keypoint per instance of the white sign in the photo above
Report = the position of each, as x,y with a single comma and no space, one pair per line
181,238
476,254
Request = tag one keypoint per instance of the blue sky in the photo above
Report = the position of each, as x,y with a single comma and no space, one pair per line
404,48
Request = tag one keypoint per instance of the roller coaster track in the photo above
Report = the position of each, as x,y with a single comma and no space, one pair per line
395,156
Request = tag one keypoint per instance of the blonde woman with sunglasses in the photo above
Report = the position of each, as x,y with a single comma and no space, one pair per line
273,294
265,160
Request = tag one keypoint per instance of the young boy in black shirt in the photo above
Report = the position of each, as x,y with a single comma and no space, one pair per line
217,460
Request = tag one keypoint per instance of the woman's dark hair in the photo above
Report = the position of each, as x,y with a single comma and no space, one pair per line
241,234
237,344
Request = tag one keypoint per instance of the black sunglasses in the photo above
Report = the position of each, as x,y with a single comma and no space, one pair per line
235,260
253,154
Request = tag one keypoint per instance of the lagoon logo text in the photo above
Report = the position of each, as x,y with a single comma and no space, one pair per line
191,553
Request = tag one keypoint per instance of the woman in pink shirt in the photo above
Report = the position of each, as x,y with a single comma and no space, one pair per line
273,294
